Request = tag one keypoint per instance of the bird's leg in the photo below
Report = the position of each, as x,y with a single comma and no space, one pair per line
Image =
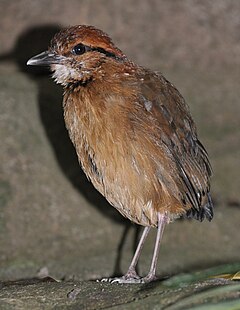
131,276
162,221
131,273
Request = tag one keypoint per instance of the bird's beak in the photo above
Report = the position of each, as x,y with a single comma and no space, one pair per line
45,59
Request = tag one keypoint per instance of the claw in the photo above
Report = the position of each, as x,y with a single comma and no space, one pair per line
149,278
105,280
127,280
129,277
121,280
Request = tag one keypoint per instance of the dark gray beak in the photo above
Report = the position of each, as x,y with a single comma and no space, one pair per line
45,59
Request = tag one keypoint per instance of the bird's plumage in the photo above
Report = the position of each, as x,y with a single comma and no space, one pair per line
132,130
145,156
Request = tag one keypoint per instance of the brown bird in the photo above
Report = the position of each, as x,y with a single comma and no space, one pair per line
133,133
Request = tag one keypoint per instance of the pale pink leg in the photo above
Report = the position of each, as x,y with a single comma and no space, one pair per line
131,276
162,221
131,273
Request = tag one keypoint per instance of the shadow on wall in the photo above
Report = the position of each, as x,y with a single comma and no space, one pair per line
31,42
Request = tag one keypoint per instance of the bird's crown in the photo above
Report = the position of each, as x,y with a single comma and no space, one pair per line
80,39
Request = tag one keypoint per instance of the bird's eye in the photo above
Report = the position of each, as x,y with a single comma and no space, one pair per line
79,49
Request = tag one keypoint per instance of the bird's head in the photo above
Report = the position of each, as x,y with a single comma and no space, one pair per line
77,54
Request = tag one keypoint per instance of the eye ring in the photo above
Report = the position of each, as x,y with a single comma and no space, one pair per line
79,49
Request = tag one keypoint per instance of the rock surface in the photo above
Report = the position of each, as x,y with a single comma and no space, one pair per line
182,292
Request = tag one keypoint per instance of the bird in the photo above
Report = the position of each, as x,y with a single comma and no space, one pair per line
133,133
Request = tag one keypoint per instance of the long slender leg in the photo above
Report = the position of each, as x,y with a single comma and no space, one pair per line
131,273
162,220
131,276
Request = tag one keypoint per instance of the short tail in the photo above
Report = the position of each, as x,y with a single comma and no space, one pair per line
204,212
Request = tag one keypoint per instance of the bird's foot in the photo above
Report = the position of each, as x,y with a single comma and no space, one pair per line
122,280
130,277
126,279
149,278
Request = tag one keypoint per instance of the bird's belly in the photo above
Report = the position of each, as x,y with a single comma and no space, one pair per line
126,186
122,187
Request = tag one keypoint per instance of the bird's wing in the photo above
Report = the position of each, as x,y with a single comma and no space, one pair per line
177,132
